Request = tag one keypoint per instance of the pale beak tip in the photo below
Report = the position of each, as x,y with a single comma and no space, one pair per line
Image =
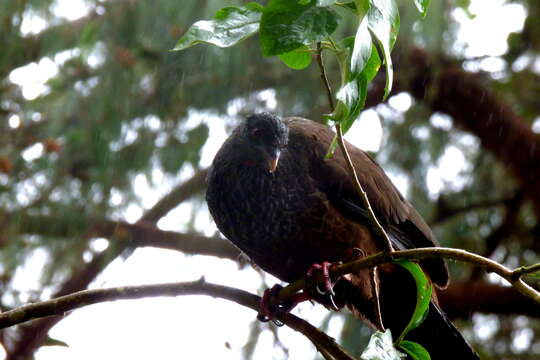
272,165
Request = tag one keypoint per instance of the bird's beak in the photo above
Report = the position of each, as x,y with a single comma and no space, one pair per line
273,162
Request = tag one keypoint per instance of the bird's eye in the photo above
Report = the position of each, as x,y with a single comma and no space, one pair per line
255,133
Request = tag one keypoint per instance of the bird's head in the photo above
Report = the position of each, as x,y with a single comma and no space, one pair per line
264,135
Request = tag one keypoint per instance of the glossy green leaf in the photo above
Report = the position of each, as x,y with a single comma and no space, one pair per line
362,48
535,275
351,6
325,2
351,97
229,26
297,59
361,8
287,25
422,6
414,350
383,24
423,295
381,347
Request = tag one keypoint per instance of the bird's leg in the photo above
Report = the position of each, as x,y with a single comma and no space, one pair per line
270,305
351,255
327,281
328,284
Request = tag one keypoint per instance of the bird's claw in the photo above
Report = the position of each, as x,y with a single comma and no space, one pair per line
328,288
270,306
324,267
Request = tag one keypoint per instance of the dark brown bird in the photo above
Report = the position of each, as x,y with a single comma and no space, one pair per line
272,192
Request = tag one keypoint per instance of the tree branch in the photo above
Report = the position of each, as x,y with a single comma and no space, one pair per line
484,297
479,111
32,336
444,211
324,343
378,229
512,276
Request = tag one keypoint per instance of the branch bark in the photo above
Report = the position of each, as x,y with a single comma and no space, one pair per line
512,276
31,336
59,306
484,297
478,110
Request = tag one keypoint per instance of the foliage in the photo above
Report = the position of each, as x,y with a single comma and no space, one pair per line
289,26
120,108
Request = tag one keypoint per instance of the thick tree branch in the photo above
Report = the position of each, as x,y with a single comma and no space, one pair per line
178,195
59,306
31,337
444,211
449,89
484,297
478,110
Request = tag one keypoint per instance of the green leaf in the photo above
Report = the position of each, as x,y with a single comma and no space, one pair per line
535,275
351,6
422,6
325,2
423,295
297,59
351,97
361,8
287,25
383,24
381,347
229,26
362,48
414,350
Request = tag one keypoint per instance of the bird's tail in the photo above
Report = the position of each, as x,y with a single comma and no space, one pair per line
436,333
441,338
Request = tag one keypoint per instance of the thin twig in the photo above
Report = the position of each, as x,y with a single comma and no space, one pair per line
318,56
63,304
525,270
374,279
512,276
360,190
377,227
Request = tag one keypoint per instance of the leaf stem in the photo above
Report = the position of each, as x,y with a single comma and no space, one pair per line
377,227
318,57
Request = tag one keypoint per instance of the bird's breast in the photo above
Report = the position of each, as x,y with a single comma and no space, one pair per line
280,220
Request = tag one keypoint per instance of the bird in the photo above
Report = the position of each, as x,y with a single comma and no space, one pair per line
276,195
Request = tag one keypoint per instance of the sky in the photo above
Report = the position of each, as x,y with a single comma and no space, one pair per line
198,327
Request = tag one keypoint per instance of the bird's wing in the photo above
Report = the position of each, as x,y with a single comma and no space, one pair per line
404,225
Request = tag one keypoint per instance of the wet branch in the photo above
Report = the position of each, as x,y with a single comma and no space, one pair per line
31,337
514,277
59,306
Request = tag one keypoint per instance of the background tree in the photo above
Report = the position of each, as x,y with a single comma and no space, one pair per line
115,115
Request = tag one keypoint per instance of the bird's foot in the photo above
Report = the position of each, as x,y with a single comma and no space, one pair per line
328,283
324,267
270,305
